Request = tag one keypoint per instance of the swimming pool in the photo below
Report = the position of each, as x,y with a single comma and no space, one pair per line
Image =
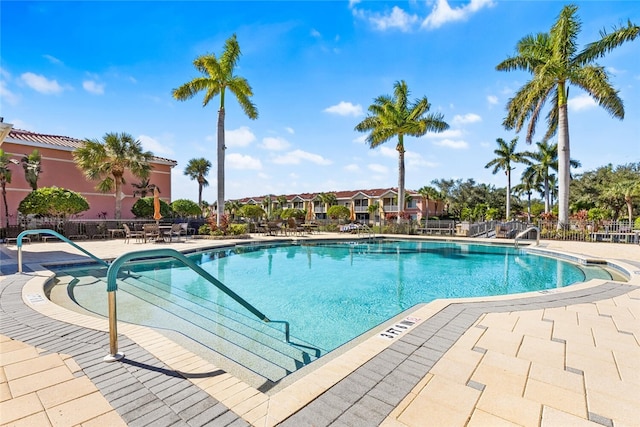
330,292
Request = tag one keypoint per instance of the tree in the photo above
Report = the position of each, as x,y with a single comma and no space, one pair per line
282,201
185,207
217,77
527,186
232,207
143,188
428,193
328,199
53,201
540,163
255,212
109,159
555,63
32,168
338,212
197,170
506,155
444,188
5,178
390,117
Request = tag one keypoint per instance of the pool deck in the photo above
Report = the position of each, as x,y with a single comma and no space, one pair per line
560,357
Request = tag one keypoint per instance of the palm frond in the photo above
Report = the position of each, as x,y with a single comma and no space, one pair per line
595,80
607,42
564,34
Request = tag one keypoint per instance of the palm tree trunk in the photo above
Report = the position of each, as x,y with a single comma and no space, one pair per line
6,206
400,149
508,172
221,148
547,208
529,207
118,212
563,159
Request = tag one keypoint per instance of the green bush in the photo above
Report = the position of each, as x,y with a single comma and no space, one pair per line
143,208
204,230
53,201
237,229
185,207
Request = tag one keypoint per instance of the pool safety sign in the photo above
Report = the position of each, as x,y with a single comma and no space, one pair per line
399,328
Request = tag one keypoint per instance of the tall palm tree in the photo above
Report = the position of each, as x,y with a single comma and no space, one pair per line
628,190
5,178
506,156
32,168
555,63
216,79
197,170
395,116
143,188
107,161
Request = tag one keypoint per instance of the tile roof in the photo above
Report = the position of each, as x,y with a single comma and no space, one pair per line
57,141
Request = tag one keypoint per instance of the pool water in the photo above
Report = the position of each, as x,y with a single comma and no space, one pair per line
332,292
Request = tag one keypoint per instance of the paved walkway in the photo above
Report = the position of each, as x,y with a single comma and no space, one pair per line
566,357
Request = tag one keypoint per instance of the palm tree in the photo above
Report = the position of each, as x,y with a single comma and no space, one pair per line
527,186
555,63
428,193
506,155
143,188
5,178
216,79
390,117
541,162
197,170
109,159
32,169
282,201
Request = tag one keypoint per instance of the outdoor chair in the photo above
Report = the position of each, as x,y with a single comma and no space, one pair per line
128,234
176,230
150,232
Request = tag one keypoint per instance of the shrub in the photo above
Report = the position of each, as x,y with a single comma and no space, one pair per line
53,201
185,207
143,208
338,212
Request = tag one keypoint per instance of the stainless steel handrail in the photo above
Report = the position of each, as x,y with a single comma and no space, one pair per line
112,287
525,232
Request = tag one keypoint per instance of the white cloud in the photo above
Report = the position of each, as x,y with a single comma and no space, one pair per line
93,87
492,99
275,143
240,137
8,96
465,119
387,151
345,109
240,161
290,130
315,33
353,167
581,102
295,157
398,18
41,84
156,147
53,59
377,168
362,139
449,133
450,143
415,160
442,13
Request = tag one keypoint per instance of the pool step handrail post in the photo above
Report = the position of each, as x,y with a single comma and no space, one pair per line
525,232
113,355
55,234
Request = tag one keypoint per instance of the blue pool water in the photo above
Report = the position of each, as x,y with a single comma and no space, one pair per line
331,292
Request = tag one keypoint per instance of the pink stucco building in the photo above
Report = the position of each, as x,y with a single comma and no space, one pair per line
60,170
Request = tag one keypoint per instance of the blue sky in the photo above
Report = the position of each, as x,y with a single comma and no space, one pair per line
82,69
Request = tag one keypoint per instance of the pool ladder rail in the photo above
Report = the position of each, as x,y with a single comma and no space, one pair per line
525,232
112,286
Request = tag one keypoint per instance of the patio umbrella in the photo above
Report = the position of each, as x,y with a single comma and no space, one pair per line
352,212
310,212
156,205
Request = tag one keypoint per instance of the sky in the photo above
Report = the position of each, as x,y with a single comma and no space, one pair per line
82,69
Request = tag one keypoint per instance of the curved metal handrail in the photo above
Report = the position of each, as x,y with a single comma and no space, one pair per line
525,232
112,286
53,233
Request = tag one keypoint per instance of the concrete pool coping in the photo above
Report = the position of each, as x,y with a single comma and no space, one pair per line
381,381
